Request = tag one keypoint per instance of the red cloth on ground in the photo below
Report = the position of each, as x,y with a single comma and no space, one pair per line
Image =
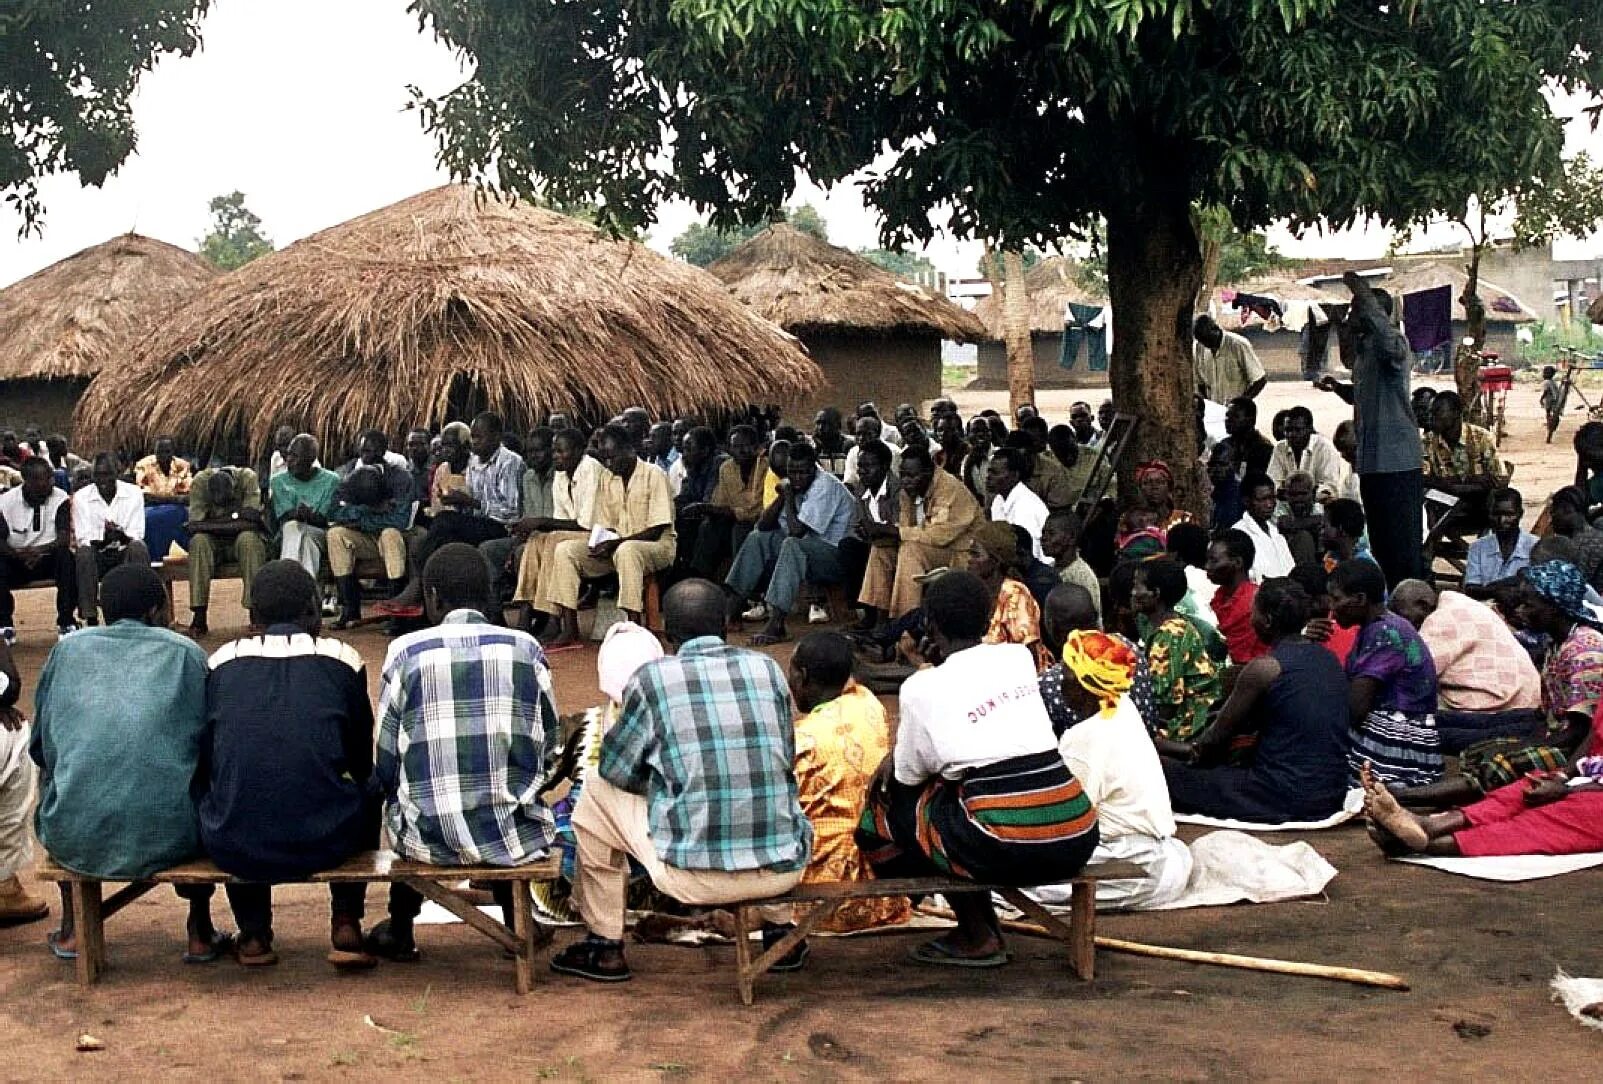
1501,823
1234,611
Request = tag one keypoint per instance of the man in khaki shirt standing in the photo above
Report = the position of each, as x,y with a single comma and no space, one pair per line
933,528
1227,365
633,536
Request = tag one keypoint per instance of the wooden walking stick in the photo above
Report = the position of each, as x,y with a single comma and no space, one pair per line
1218,959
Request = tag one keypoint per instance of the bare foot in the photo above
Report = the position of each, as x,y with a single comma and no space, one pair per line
1381,807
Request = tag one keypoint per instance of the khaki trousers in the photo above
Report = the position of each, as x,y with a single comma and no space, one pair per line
16,802
248,549
611,826
536,559
891,580
348,547
632,561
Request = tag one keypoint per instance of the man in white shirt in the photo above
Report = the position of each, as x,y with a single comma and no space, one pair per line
975,715
1306,452
869,429
574,486
108,529
1272,556
1227,365
1011,500
35,545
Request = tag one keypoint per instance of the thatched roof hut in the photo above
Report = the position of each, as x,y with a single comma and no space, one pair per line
1051,285
807,285
874,336
444,303
62,325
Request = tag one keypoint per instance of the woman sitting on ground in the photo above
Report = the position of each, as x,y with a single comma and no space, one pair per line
1391,695
1552,602
975,786
1295,700
1015,616
1185,680
1548,813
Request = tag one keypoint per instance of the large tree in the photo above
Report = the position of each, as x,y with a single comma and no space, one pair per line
1026,121
67,70
236,236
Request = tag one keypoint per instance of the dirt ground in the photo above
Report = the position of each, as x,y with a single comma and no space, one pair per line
1478,956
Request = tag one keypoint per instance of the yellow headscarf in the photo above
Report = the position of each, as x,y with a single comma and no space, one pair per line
1104,665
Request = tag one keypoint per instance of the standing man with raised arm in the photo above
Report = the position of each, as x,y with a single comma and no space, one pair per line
1389,462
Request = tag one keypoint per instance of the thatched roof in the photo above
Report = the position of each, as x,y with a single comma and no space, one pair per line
1050,285
1502,307
804,284
403,315
79,314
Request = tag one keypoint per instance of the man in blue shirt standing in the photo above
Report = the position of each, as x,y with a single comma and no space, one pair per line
697,783
797,541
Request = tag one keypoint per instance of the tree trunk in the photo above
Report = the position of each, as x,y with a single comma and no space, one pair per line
1474,308
1154,272
1016,332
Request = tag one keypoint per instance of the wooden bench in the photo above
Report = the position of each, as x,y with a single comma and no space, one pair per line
90,911
1079,933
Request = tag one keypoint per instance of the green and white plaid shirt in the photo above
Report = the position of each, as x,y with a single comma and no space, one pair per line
707,736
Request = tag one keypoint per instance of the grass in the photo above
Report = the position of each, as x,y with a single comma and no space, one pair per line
1548,340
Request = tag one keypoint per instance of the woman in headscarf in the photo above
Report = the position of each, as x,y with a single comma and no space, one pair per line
1155,480
1185,679
1108,749
1016,617
1552,602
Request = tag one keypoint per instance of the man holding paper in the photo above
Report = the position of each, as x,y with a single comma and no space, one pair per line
633,535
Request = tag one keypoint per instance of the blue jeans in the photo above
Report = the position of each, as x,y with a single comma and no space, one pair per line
789,563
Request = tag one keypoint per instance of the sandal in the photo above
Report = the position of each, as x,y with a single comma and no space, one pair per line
263,956
382,941
941,953
222,944
766,639
52,941
582,960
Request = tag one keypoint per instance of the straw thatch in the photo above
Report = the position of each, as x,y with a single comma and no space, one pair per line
444,302
1408,278
807,285
78,315
1051,286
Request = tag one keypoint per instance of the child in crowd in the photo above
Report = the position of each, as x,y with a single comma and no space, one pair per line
1552,400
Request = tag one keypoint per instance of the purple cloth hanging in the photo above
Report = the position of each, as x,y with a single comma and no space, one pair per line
1428,318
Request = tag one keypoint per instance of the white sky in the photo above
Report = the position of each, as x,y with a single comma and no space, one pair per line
300,104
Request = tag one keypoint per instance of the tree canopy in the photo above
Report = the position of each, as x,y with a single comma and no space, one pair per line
899,261
701,244
1026,122
236,236
67,71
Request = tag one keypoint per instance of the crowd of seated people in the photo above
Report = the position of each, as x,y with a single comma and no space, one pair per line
1251,662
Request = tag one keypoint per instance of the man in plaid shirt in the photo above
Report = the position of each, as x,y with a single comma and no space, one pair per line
467,725
697,783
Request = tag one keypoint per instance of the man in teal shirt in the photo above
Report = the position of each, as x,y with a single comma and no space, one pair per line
303,499
119,715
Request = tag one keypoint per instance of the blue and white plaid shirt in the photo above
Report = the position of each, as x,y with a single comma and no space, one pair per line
497,484
467,724
707,736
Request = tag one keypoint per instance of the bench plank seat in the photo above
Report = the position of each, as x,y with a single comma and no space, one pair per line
1079,933
525,937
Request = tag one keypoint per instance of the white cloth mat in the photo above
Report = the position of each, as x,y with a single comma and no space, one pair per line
1577,994
1351,806
1513,867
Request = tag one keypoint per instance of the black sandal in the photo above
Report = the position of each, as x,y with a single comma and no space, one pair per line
582,960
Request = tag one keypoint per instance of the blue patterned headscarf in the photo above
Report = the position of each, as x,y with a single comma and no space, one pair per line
1562,584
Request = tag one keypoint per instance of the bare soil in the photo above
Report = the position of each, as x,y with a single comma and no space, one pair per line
1478,956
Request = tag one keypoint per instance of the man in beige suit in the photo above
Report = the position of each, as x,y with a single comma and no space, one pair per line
932,530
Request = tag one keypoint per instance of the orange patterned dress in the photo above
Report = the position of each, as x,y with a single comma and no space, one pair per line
839,746
1017,620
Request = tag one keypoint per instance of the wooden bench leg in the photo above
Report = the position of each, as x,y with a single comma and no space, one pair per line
745,977
89,930
750,969
1082,930
523,929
